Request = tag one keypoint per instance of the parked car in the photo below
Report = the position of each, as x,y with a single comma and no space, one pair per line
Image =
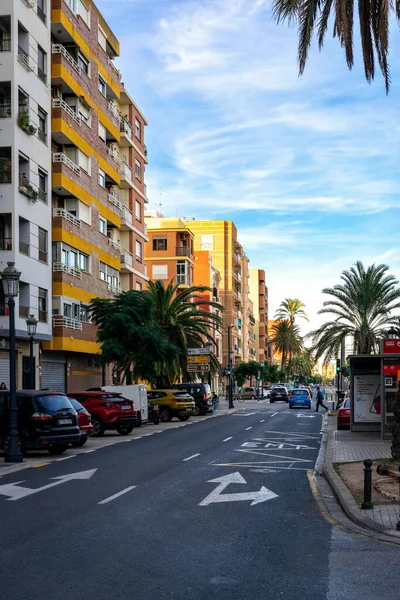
46,420
266,392
201,394
279,392
300,397
172,403
137,393
108,411
84,421
343,416
248,393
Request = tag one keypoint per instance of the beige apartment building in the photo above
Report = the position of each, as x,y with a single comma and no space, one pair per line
259,297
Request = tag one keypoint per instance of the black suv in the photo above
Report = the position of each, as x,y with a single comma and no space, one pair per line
46,421
201,394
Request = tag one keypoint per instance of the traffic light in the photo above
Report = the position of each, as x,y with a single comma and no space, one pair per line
228,372
338,365
258,375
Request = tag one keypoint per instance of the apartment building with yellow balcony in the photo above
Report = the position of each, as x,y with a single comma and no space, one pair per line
219,238
259,296
98,190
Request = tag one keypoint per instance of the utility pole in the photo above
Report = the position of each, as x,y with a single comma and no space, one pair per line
230,399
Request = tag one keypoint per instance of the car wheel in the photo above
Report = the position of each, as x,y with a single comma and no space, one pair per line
139,420
165,414
98,427
83,440
156,420
196,411
57,449
124,429
252,397
183,417
271,401
204,412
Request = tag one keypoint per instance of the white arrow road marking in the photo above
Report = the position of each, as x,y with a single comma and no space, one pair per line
216,495
15,492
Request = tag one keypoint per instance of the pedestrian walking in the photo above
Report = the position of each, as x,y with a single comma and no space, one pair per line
320,400
3,386
215,400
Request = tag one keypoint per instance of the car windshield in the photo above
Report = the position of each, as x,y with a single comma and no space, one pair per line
300,392
53,402
77,405
114,398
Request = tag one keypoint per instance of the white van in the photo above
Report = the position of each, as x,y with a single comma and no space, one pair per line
137,394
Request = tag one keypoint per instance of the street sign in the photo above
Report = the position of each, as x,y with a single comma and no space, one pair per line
199,351
196,368
198,359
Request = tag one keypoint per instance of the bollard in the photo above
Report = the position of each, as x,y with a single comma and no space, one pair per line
367,504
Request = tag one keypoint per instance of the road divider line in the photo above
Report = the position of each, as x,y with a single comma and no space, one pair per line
262,421
227,439
117,495
247,428
190,457
273,414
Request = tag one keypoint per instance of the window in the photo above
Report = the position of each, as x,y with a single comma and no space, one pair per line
137,169
102,132
42,185
206,242
110,275
83,63
103,271
42,245
85,112
42,64
84,162
181,272
139,251
102,86
138,210
102,226
83,262
137,128
160,244
160,272
84,313
139,286
102,178
102,39
42,125
42,305
83,12
84,212
73,258
40,9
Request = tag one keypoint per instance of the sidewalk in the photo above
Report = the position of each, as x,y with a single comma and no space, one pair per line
349,447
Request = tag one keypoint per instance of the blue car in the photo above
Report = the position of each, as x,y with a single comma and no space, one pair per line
300,397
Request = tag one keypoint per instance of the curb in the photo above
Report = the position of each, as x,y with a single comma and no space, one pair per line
345,498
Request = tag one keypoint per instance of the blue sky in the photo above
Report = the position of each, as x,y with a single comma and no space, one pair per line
307,168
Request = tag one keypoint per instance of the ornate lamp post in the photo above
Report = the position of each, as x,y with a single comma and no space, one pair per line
10,278
392,334
31,325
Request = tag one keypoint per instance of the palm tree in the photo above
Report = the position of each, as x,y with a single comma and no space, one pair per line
303,364
313,17
288,310
361,307
186,324
286,339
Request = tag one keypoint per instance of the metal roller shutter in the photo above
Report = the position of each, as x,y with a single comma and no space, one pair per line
5,371
53,376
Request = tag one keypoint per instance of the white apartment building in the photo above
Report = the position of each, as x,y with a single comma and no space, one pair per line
25,173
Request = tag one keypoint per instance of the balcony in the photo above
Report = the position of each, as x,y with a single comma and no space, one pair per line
61,321
182,279
59,49
24,248
113,244
145,192
182,251
113,199
126,262
42,135
114,68
113,111
59,157
5,44
25,123
27,188
237,257
24,60
126,175
59,103
114,155
61,212
63,268
126,132
126,218
5,243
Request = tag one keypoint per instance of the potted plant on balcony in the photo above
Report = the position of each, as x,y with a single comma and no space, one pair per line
24,122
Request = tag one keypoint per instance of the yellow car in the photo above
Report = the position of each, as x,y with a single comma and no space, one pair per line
172,403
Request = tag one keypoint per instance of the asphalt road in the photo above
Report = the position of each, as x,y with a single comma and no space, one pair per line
148,523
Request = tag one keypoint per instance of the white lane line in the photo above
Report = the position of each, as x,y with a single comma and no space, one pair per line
89,451
262,421
273,414
227,439
66,457
247,428
190,457
128,489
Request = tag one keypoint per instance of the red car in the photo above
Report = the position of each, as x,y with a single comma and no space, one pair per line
343,416
108,411
84,421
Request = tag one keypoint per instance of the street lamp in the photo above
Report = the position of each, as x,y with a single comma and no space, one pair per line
10,278
391,334
31,325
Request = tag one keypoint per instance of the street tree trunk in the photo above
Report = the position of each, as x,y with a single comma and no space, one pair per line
395,449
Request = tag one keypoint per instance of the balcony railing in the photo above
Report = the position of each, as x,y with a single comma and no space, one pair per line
113,199
42,135
182,251
27,188
5,111
111,152
58,266
42,195
126,214
25,123
127,258
59,103
24,248
113,244
126,170
61,212
23,59
59,49
29,3
5,175
61,321
114,68
5,243
114,288
182,279
125,127
5,45
59,157
113,111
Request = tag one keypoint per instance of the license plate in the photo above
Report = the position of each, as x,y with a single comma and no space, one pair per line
125,407
188,410
64,421
279,396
